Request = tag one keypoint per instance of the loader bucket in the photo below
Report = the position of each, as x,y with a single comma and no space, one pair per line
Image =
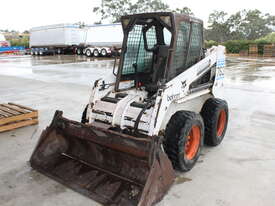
110,167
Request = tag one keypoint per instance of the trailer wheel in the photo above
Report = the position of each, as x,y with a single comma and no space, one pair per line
103,52
183,139
59,51
96,53
79,51
215,115
88,53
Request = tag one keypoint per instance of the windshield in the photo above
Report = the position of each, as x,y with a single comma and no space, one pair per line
137,58
142,44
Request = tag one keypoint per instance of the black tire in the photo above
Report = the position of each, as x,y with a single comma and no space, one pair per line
215,115
103,52
59,51
96,53
84,114
178,131
79,51
88,53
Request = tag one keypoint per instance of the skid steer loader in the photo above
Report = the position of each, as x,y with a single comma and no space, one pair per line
150,117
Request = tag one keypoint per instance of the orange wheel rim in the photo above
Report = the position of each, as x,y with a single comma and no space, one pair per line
221,123
192,142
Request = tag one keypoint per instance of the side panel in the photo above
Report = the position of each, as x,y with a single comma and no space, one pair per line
221,63
57,35
179,90
194,105
75,36
105,35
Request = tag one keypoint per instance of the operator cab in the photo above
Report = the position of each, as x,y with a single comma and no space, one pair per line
156,48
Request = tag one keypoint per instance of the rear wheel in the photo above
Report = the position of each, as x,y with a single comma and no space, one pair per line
183,139
215,115
59,51
79,51
88,53
103,52
96,53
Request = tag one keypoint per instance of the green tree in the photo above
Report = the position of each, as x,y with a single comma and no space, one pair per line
114,9
218,29
20,42
243,25
184,10
270,38
234,22
255,24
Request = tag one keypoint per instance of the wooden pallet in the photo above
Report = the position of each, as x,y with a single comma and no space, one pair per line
253,50
269,50
13,116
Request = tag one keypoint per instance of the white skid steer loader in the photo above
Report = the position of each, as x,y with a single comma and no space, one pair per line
153,115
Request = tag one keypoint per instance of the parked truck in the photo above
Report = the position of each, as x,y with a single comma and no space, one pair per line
102,40
90,40
56,39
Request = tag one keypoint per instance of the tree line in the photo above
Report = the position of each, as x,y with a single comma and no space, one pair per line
243,25
112,10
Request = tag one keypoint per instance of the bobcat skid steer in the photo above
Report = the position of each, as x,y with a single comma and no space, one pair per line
152,116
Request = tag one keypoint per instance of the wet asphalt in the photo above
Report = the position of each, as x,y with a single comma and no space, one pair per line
240,171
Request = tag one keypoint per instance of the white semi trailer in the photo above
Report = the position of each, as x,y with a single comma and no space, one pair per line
57,38
102,40
90,40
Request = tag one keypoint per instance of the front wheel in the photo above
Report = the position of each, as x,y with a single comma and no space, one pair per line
215,115
183,139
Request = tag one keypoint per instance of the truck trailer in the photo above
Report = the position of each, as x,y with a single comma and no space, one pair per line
102,40
56,39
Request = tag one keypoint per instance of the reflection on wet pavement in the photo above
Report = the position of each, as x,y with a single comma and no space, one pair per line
64,68
258,72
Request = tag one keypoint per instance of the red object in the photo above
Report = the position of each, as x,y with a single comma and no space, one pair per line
4,44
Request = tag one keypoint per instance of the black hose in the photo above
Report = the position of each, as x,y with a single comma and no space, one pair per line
148,105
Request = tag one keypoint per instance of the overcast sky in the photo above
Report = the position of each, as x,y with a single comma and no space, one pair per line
24,14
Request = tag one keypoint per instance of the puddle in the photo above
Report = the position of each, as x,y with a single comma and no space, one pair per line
181,179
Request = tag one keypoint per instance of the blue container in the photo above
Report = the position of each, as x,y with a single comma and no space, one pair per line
11,49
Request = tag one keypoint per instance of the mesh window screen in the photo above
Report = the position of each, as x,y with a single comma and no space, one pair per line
181,47
195,45
136,53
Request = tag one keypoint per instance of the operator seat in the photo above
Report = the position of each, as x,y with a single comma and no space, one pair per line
159,63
